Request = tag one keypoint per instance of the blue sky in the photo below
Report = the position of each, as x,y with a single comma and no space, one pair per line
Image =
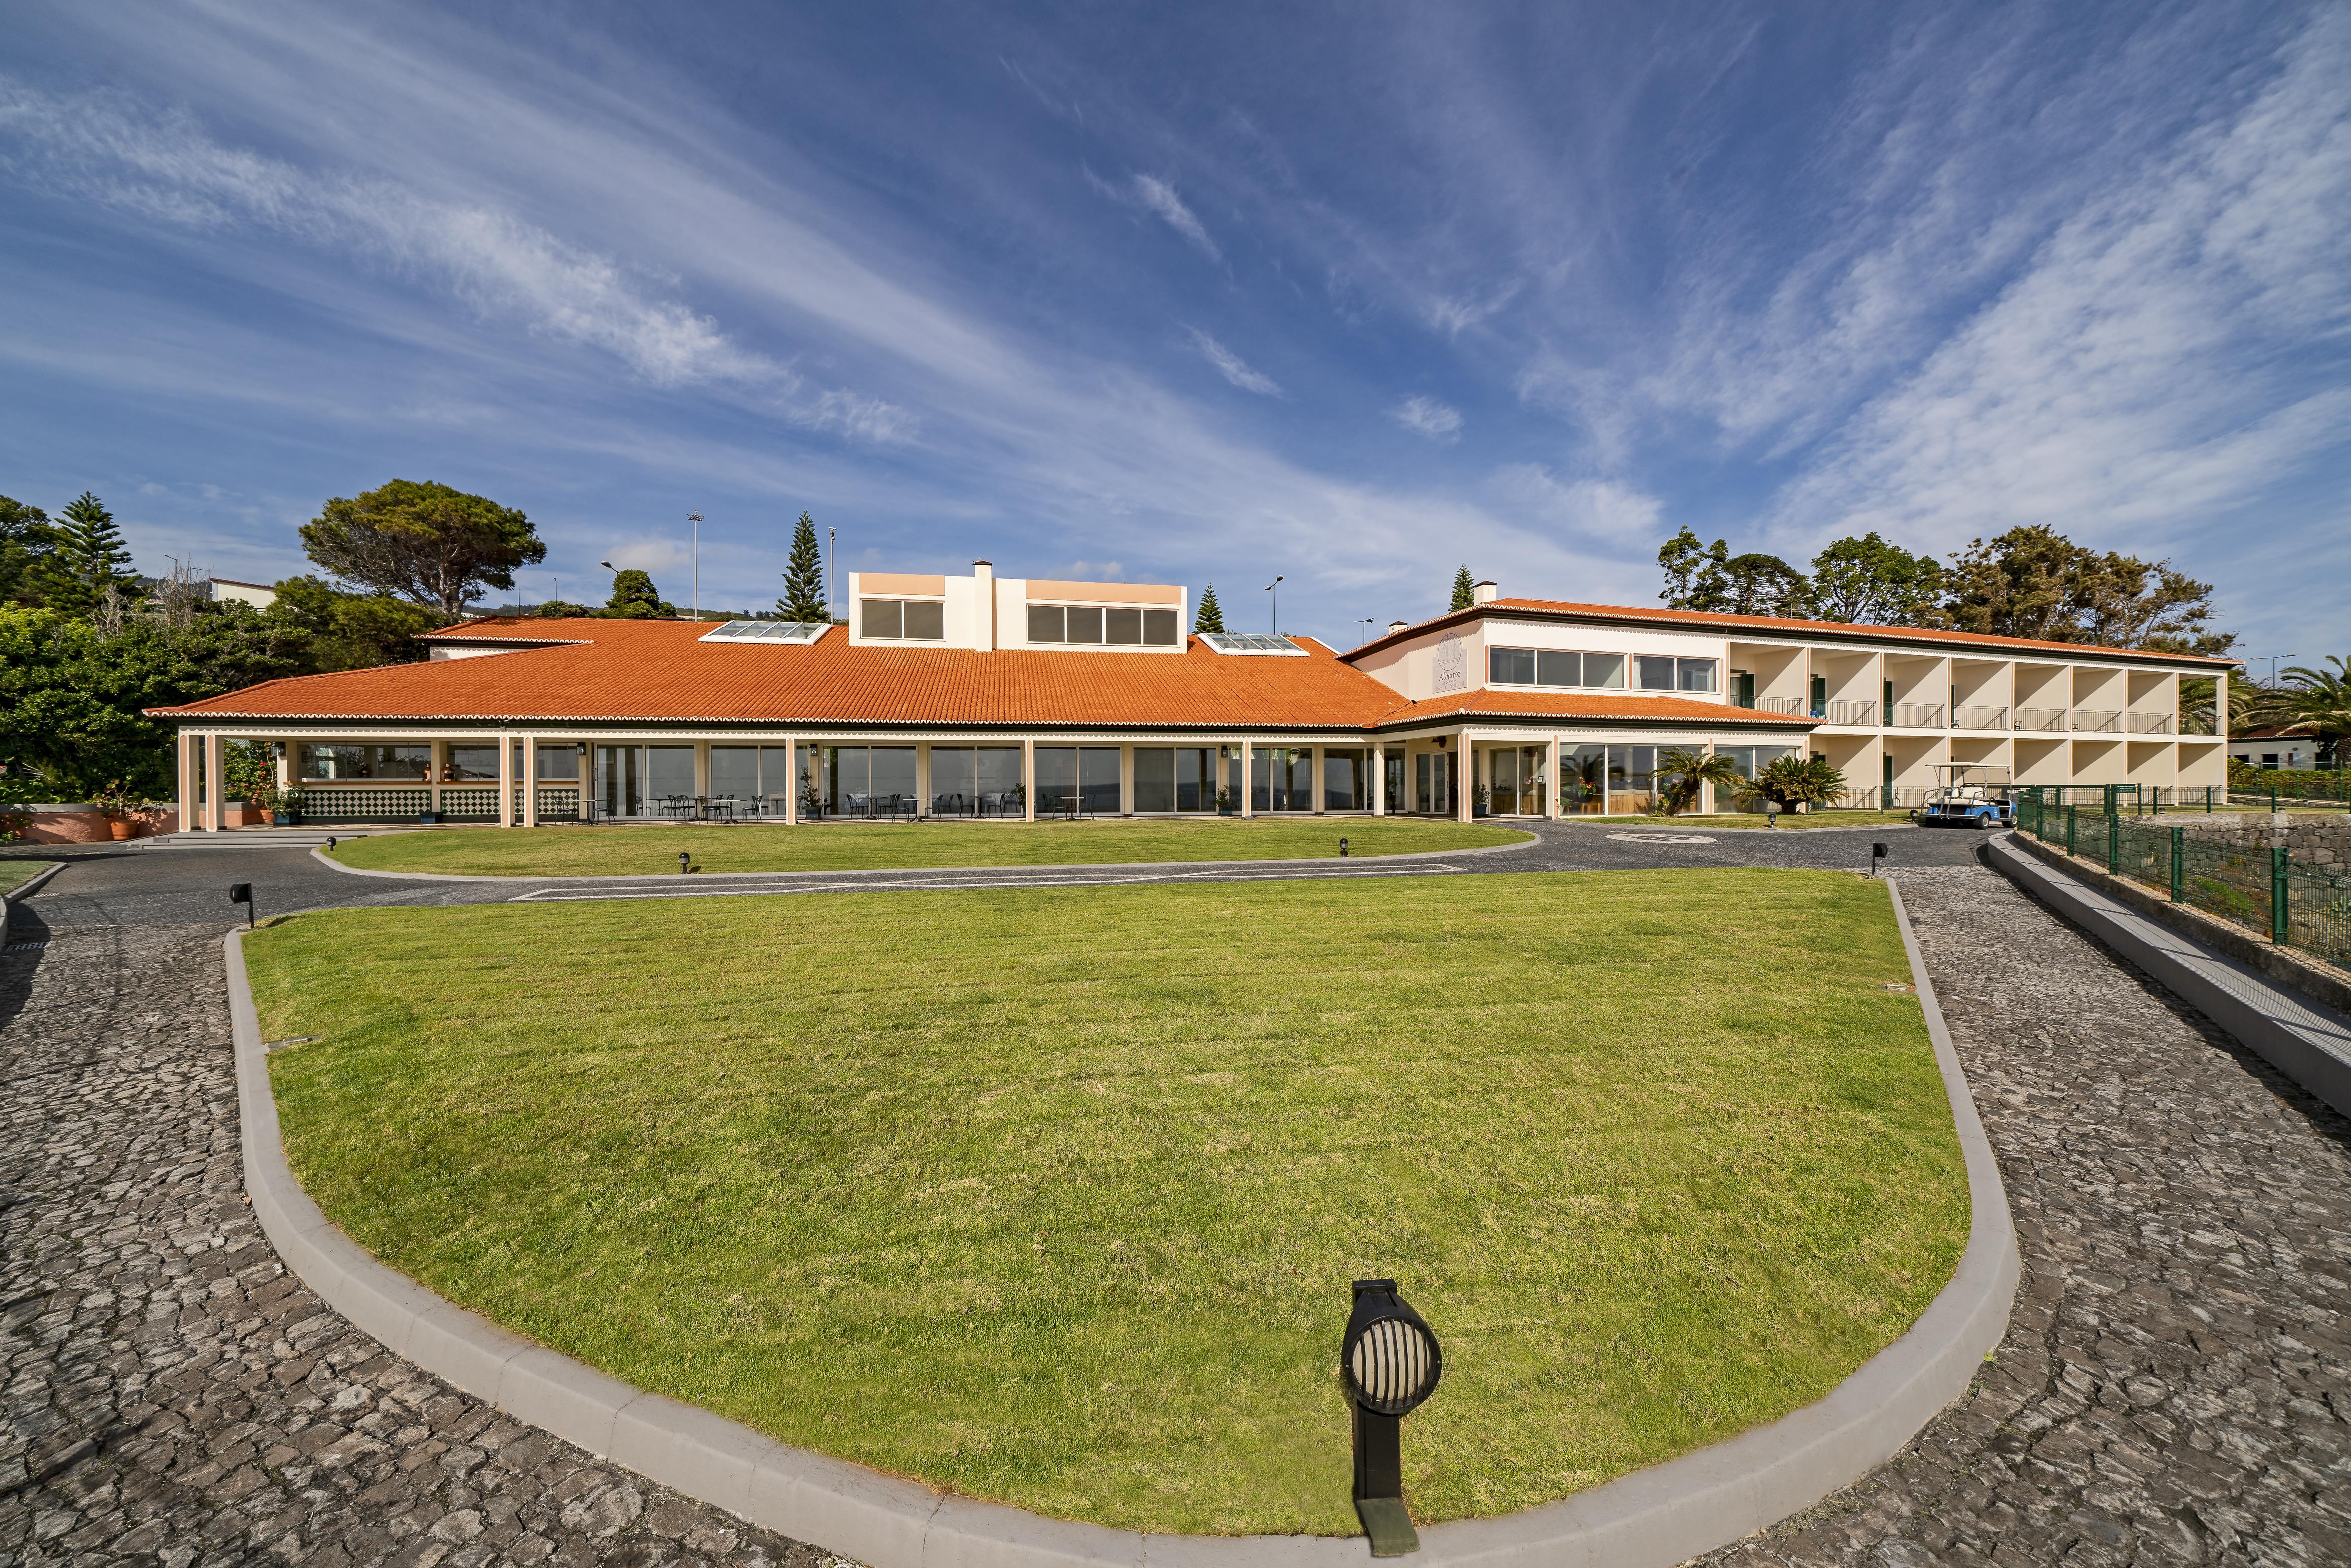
1349,293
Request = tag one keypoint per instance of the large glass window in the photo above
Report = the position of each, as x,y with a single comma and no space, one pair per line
1086,624
1071,777
558,765
1345,784
619,780
975,781
1432,783
860,780
1550,667
1117,625
1394,801
1124,627
1514,780
1749,760
402,764
1632,778
1661,673
735,770
474,762
669,771
915,620
1583,778
1281,779
1174,778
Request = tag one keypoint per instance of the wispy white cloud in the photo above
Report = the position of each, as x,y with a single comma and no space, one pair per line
1616,517
1158,196
1454,315
1232,367
1424,416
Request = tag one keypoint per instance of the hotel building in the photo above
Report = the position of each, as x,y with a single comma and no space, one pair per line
981,695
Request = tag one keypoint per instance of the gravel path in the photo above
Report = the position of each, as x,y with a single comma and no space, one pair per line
2176,1382
2175,1386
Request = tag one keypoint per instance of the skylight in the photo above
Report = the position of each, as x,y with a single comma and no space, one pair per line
767,632
1252,643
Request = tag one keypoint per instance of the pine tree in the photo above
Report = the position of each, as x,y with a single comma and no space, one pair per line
1465,593
634,597
804,596
87,558
1210,616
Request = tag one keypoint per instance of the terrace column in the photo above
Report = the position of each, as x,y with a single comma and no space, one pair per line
1319,795
437,768
923,779
792,780
1248,769
1554,782
1379,781
215,782
1126,781
1029,777
1468,785
184,753
505,780
529,781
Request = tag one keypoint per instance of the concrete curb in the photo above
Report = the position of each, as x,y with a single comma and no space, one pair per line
1654,1519
325,859
1638,824
2291,1033
24,890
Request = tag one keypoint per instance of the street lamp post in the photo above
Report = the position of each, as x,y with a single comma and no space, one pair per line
695,556
1277,605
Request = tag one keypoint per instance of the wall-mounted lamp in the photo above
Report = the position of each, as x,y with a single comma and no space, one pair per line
1389,1362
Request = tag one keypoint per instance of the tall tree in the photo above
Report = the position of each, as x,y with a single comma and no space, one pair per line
2032,581
86,557
804,596
634,597
2317,696
1210,615
25,540
1465,593
1696,575
351,630
427,542
1870,582
1757,584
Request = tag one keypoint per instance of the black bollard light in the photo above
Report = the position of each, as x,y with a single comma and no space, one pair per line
1877,854
1389,1362
242,893
1343,849
681,858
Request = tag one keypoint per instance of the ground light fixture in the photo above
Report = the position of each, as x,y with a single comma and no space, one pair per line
1343,849
684,857
1877,854
242,893
1771,813
1389,1362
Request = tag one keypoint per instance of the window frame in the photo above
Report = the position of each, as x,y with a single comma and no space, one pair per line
865,630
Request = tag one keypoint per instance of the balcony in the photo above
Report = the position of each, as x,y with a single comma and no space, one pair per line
1840,711
2040,719
2150,723
1966,718
1915,716
2097,721
1792,706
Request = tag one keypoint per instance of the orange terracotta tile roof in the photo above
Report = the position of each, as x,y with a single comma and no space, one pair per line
1631,708
657,670
1709,620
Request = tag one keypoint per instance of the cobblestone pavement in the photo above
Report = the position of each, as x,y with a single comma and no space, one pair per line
2176,1382
168,1393
2175,1386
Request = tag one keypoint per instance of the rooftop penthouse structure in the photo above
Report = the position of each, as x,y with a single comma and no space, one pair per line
978,695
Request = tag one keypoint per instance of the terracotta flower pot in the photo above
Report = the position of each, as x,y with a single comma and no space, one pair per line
118,828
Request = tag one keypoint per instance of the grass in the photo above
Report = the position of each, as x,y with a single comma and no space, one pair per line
1054,1197
575,851
16,874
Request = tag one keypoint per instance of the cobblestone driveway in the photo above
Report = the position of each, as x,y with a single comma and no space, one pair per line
2173,1387
2176,1378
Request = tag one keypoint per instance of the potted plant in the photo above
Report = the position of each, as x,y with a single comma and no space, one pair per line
1224,803
264,800
115,803
1477,800
290,803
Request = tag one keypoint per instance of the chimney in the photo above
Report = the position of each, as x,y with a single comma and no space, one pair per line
1485,592
1396,626
984,573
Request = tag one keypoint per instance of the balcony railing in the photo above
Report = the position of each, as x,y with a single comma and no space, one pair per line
1794,707
1915,716
2150,724
1839,711
2097,721
1969,717
2040,718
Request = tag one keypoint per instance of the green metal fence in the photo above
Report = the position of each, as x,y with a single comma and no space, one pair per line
2263,890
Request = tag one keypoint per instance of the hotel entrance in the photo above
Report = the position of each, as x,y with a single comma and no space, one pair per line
1431,778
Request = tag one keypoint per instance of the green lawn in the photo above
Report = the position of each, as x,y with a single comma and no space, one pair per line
1054,1197
16,874
575,851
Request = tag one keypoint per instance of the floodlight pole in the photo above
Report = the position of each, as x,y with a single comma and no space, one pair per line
1277,605
696,557
832,561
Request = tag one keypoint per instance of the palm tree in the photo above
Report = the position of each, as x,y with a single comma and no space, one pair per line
1794,780
2196,704
1682,772
2319,698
